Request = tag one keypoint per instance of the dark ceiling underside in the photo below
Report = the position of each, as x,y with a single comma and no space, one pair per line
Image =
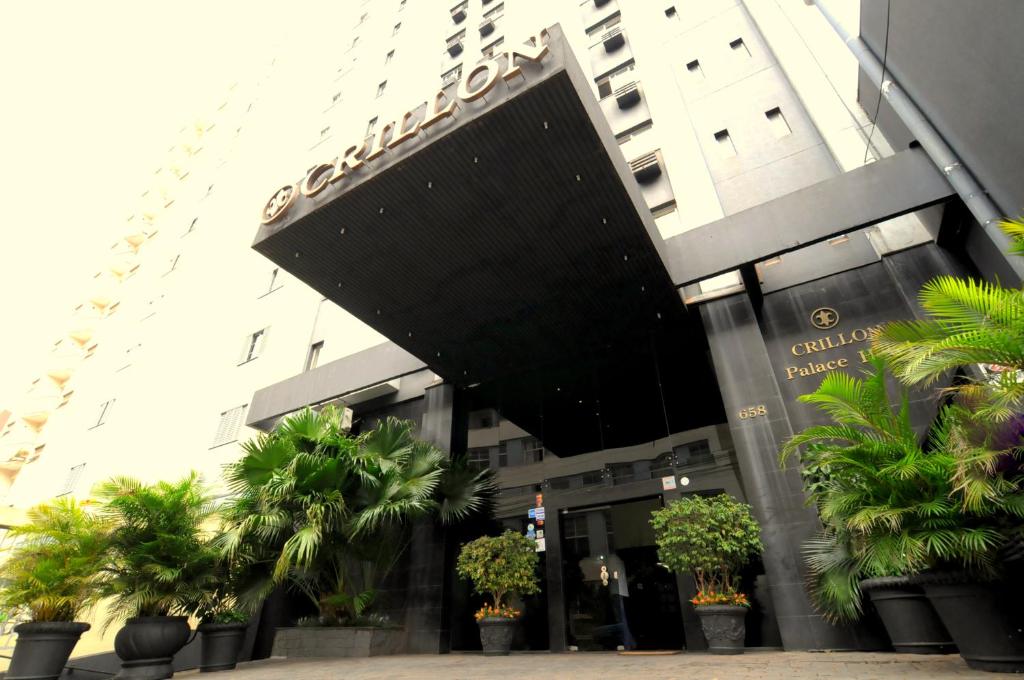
507,260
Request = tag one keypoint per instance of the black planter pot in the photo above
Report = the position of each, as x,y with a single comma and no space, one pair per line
221,643
724,627
986,624
910,620
147,645
43,648
496,634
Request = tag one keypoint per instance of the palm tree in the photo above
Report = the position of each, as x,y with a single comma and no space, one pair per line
890,504
969,322
53,565
329,513
160,560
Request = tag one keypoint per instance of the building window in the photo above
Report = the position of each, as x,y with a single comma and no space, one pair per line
604,25
725,146
192,225
479,458
451,76
693,453
695,69
104,412
401,5
389,56
533,451
362,19
604,84
174,263
381,88
503,454
371,125
74,475
253,345
313,358
398,27
228,426
336,97
670,12
324,131
355,41
274,285
740,47
777,121
488,51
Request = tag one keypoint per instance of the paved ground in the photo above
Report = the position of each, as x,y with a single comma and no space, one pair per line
597,666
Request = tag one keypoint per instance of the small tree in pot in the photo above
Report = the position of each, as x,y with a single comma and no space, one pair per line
52,573
712,538
159,568
223,621
499,566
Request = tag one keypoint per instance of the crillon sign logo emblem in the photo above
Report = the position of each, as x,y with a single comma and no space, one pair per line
824,318
441,106
279,202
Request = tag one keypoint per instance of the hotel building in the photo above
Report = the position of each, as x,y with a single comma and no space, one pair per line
599,247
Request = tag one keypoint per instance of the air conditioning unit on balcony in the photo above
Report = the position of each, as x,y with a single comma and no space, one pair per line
454,46
601,3
628,95
613,40
459,14
646,168
487,27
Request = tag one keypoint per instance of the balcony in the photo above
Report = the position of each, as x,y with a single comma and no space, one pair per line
459,13
486,27
454,45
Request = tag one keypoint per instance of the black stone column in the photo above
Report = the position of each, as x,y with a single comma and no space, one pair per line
425,623
746,379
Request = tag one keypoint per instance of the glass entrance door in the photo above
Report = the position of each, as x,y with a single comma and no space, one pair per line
616,594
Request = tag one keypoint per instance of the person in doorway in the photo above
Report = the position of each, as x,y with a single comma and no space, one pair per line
618,588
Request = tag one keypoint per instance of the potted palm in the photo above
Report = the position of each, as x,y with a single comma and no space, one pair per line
711,538
499,566
329,515
897,509
971,324
222,621
158,568
51,574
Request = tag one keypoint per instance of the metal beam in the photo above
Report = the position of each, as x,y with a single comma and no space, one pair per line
865,196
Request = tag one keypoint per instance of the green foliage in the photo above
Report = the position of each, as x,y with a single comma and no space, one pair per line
890,505
500,565
969,322
160,559
710,537
52,569
329,513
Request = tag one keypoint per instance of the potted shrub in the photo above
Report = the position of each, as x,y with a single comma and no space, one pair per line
222,622
499,566
51,573
158,568
329,514
711,538
898,510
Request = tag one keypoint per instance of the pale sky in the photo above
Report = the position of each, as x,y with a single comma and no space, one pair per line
94,93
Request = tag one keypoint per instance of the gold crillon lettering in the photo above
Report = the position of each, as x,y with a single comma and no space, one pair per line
466,91
812,346
533,52
316,180
401,133
377,150
351,159
794,349
436,114
859,335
